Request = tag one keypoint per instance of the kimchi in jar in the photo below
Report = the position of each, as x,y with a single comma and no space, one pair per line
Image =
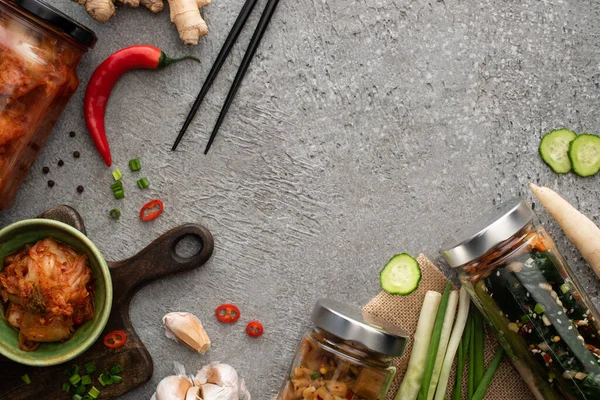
539,312
39,51
342,357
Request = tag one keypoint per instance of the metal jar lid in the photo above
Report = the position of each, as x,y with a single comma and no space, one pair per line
348,324
58,20
482,236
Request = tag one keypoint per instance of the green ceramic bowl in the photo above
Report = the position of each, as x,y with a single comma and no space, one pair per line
15,236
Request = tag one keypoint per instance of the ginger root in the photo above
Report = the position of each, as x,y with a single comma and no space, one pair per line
185,14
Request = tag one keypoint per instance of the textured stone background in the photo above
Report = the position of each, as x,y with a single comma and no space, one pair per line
363,129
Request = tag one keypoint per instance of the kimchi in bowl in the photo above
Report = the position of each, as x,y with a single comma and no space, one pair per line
28,232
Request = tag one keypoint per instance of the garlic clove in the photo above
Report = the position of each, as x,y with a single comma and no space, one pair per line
216,392
194,393
186,328
218,374
244,393
173,388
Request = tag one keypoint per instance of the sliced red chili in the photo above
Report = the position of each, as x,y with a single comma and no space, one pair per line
115,339
227,313
151,210
254,329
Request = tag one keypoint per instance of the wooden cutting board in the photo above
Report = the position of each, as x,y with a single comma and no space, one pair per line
157,260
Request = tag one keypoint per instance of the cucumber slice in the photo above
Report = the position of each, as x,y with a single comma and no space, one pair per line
401,275
554,149
585,154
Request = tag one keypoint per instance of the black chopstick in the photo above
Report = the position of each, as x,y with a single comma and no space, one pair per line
252,47
239,24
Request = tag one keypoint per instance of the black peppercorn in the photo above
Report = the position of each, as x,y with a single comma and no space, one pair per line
51,183
80,189
76,154
72,134
45,170
61,163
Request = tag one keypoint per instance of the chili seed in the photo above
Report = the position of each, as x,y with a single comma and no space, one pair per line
72,134
45,170
80,189
51,183
61,163
76,154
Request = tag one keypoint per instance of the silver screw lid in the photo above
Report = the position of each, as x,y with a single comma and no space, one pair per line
348,324
477,239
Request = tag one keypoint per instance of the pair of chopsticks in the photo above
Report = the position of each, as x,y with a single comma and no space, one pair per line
239,24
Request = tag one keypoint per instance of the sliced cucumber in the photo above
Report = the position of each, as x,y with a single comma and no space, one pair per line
585,154
401,275
554,149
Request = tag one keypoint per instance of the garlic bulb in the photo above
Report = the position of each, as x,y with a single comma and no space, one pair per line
216,392
218,374
173,388
186,328
194,393
221,382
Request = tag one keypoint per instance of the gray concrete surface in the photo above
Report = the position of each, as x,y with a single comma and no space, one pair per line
363,129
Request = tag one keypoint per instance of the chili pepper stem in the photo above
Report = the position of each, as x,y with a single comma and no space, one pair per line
164,60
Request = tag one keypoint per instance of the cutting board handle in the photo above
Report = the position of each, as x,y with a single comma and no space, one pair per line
157,260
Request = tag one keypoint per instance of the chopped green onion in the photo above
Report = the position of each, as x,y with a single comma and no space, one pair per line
564,288
86,380
315,376
119,194
26,379
87,397
94,393
75,379
117,369
80,390
524,319
135,164
90,367
114,214
143,183
66,387
105,379
539,308
118,185
117,174
116,379
76,397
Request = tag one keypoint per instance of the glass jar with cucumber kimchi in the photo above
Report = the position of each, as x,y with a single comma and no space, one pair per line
516,276
342,358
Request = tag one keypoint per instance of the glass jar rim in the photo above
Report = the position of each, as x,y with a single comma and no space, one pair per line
347,323
481,236
56,19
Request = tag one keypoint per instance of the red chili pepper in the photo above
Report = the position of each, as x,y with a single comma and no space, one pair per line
254,329
227,313
104,79
151,210
115,339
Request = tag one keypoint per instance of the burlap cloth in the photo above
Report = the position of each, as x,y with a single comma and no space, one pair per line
403,311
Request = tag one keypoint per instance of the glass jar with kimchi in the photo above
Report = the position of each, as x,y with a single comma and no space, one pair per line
342,358
39,51
528,294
